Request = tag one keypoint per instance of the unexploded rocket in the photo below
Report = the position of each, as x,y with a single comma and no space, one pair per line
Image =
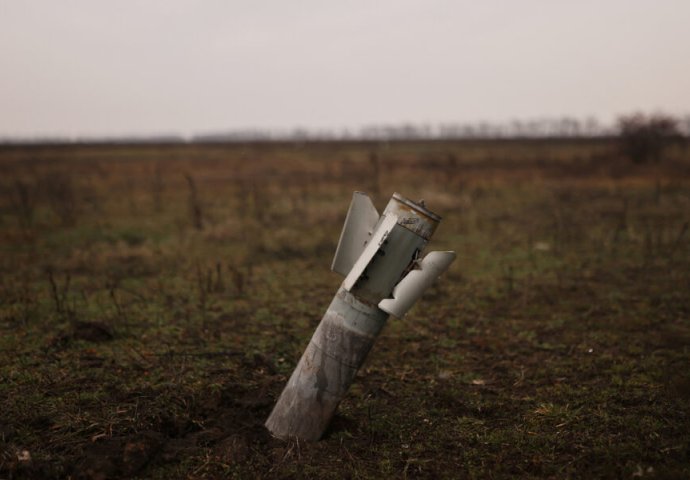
380,258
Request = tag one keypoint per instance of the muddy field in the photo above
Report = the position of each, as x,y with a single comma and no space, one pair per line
154,300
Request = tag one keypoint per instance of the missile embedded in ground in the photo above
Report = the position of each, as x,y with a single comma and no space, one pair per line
380,258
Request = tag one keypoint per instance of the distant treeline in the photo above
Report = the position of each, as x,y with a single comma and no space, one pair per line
561,127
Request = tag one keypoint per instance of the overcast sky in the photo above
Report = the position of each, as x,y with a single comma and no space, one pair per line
103,67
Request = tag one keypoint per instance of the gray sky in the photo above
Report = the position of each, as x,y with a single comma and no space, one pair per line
98,67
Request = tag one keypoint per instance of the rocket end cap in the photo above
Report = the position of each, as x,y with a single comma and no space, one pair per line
418,206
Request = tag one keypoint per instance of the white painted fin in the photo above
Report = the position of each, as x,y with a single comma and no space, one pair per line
357,230
380,236
411,288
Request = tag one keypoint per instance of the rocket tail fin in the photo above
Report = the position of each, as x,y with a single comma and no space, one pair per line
357,230
413,285
373,246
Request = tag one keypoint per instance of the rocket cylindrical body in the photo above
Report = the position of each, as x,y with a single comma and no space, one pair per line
328,366
354,319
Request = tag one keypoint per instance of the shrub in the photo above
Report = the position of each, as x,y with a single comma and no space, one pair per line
643,138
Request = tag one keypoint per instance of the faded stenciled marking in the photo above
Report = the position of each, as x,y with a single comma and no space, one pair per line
321,383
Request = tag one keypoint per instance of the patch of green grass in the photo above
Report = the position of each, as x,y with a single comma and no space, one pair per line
556,346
